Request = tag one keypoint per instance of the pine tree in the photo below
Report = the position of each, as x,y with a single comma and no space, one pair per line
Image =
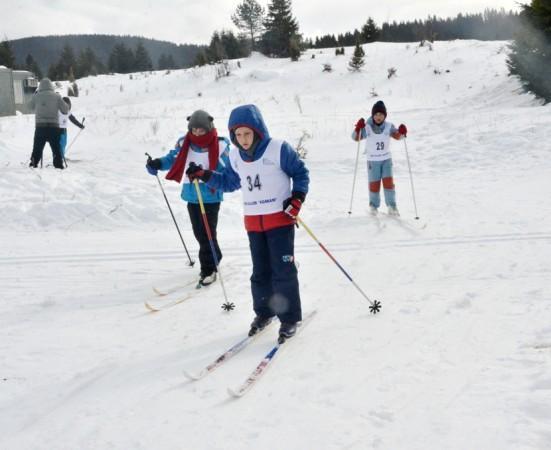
280,27
32,66
370,31
6,55
201,59
215,51
162,63
66,62
294,47
142,59
233,48
249,17
357,62
88,64
121,59
530,56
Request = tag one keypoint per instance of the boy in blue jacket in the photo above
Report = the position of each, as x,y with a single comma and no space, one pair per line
274,183
201,145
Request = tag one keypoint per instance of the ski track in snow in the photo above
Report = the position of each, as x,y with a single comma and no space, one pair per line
459,356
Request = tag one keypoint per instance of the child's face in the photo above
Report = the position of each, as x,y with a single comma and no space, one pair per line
379,118
198,131
245,137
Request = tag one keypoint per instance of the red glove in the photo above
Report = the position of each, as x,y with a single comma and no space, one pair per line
292,206
360,124
403,130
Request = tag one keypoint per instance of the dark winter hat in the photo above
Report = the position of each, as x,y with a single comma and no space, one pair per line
200,119
378,107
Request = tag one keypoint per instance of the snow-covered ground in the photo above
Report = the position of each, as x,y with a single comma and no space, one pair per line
458,358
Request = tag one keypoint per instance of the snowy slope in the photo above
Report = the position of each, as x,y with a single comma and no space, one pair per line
460,356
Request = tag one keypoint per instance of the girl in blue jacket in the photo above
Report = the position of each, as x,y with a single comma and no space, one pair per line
201,146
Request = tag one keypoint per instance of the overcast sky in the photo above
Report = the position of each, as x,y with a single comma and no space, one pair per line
193,21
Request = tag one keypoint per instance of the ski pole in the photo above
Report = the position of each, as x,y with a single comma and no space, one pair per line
355,172
375,305
411,180
191,262
228,306
74,139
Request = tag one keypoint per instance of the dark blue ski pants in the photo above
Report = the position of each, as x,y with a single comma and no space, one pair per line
274,282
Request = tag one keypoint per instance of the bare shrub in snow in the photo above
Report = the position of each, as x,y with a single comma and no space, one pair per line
297,101
373,92
327,68
154,127
222,70
391,72
301,150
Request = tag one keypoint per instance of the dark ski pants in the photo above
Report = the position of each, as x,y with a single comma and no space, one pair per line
205,253
274,282
51,135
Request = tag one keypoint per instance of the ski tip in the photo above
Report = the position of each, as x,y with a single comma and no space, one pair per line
234,394
150,308
159,293
191,376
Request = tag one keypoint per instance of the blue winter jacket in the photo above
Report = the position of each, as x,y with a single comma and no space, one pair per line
249,116
188,190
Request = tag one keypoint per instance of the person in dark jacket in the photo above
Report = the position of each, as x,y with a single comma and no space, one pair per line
274,183
47,104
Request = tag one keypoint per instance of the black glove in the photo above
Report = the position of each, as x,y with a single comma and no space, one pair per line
153,165
196,172
292,205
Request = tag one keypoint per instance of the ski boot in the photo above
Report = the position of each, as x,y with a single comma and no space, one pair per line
286,330
258,324
205,280
393,211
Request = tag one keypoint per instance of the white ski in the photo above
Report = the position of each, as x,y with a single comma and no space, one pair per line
224,356
266,362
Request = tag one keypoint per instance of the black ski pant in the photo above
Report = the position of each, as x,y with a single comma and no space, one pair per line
274,282
51,135
206,258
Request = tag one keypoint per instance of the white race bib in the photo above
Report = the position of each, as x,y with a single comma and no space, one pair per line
264,185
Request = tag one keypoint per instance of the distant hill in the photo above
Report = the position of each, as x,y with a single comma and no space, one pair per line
46,49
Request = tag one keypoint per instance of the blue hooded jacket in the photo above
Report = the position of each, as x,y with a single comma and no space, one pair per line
249,116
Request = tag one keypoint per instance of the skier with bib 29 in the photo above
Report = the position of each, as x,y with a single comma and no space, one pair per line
377,133
274,183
